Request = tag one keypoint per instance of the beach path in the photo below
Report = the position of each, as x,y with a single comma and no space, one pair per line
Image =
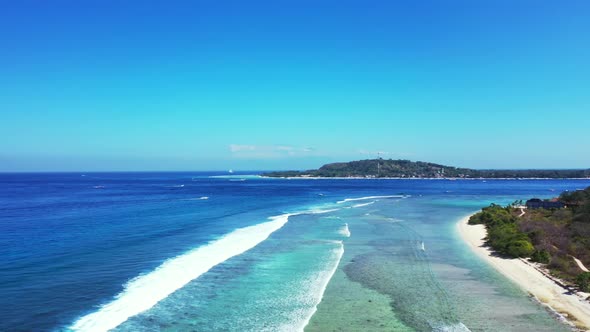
580,264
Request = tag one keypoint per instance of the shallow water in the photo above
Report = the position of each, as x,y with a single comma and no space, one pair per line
422,278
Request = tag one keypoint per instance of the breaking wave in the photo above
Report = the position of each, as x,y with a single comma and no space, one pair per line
145,291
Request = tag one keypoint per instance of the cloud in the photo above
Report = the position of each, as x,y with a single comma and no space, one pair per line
239,148
268,151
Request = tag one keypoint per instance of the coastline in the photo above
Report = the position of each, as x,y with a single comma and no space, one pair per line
570,307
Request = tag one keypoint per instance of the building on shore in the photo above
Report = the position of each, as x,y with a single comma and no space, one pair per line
536,203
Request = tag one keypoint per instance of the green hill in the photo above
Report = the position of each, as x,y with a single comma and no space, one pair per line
382,168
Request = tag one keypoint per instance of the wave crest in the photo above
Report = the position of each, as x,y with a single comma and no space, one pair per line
369,197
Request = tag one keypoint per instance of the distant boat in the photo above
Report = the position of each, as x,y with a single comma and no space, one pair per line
423,249
231,171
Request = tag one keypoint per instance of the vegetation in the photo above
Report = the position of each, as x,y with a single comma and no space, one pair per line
583,281
541,256
504,236
551,237
379,168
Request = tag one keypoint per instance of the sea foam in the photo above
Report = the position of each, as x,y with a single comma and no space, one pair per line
144,291
369,197
202,198
458,327
344,231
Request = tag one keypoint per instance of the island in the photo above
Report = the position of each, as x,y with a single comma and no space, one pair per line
389,168
543,246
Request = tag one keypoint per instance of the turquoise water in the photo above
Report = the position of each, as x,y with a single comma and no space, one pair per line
202,252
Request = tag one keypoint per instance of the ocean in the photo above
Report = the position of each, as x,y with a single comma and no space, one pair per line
210,251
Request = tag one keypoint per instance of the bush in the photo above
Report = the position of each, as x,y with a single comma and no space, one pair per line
520,248
475,220
541,256
583,281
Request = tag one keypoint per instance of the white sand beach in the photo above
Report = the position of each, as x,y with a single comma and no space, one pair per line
571,306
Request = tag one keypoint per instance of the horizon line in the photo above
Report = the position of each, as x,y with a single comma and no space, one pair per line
258,171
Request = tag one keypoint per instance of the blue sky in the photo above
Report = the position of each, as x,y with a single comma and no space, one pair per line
203,85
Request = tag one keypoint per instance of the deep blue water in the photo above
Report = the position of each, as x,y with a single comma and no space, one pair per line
70,242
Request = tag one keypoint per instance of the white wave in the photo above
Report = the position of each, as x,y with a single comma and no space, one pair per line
363,204
234,176
368,197
202,198
344,231
321,286
144,291
459,327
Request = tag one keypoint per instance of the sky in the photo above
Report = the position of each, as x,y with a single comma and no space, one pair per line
252,85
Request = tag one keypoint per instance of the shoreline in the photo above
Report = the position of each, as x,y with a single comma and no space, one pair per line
549,291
